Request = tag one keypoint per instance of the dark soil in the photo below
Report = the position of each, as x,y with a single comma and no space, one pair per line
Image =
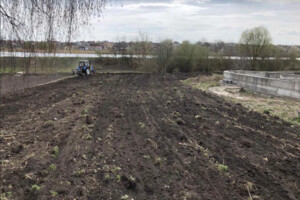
142,136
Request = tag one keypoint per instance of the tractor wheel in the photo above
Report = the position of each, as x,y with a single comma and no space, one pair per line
87,72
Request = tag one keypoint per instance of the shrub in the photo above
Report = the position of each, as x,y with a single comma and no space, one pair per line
189,57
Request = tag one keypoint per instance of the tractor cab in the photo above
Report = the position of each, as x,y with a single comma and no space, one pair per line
84,67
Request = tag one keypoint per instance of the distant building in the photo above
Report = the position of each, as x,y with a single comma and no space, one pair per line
83,48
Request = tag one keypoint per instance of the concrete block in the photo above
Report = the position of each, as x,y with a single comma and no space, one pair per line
297,86
266,82
283,84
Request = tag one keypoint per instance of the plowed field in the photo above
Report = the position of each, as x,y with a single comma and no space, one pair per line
141,136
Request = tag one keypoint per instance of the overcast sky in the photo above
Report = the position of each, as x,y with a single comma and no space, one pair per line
198,20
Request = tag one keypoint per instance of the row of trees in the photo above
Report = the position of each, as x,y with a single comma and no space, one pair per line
255,49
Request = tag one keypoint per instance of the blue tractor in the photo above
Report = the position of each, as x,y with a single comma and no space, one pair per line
84,67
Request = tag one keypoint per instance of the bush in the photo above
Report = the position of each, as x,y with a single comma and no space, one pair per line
190,57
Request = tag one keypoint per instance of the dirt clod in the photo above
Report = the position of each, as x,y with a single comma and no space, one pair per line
128,183
119,115
89,120
180,122
16,148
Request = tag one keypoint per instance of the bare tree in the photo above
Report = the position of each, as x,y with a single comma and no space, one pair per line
255,43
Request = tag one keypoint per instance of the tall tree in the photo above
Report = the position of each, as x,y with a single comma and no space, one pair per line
255,43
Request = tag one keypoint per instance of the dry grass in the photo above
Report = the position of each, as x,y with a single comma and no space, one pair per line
284,108
203,82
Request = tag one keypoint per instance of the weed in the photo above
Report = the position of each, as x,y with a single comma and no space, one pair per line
35,188
147,157
84,111
48,124
179,94
168,102
2,132
198,117
5,196
91,126
52,167
203,108
153,143
116,169
99,139
100,155
125,196
118,178
106,176
88,137
132,178
80,172
157,161
297,120
176,115
8,194
55,151
222,168
142,125
110,128
84,128
53,193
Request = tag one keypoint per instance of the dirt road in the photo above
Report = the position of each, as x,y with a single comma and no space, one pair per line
142,136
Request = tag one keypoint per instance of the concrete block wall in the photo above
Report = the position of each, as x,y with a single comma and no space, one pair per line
257,82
